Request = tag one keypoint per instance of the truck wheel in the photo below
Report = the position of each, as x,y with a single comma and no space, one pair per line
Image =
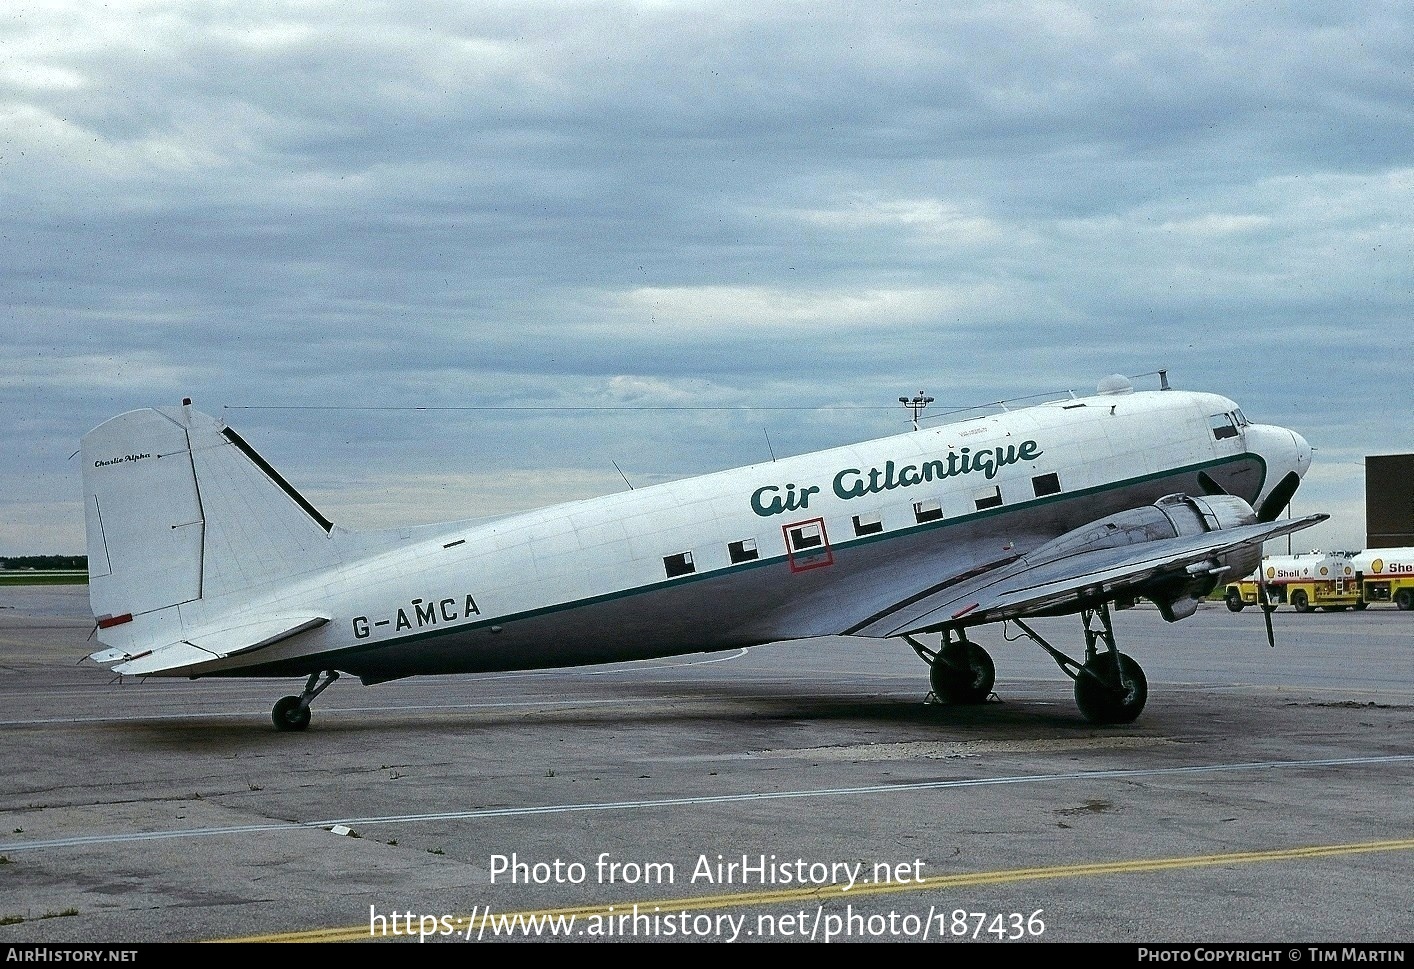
1234,600
1404,599
1299,602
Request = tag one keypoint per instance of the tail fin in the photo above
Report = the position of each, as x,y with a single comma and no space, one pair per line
179,509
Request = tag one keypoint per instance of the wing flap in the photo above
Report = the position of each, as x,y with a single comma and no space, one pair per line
1026,587
205,647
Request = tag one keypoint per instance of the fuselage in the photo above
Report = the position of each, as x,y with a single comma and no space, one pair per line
805,546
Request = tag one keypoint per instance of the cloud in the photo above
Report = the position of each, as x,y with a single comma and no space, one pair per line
809,204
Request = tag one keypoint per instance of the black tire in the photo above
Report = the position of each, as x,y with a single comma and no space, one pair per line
1299,602
1234,601
1100,695
1361,605
289,714
1404,599
952,684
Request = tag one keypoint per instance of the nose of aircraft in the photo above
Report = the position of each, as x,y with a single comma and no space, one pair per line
1282,449
1287,456
1303,453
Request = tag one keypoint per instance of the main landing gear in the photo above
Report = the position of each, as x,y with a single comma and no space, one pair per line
292,712
1109,686
959,671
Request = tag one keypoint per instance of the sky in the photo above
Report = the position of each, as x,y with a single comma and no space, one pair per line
445,260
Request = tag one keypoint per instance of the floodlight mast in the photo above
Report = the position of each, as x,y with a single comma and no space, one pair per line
916,405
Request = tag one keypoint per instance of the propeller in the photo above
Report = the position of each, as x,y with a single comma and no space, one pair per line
1279,497
1209,486
1266,607
1275,503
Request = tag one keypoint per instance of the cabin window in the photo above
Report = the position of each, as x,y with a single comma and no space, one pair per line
868,524
806,536
928,511
1222,426
988,497
1046,484
679,564
743,551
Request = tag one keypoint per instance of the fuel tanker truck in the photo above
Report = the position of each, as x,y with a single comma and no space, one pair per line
1306,580
1385,575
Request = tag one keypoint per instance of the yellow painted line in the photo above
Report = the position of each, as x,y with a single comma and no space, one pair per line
824,893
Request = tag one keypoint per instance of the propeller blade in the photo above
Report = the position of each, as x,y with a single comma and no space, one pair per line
1209,486
1266,609
1279,498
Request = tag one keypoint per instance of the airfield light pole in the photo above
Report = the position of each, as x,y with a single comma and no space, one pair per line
916,404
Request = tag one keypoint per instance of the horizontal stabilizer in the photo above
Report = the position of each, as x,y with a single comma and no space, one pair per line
205,647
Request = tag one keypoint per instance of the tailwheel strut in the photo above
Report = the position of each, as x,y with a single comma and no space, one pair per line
1110,687
959,671
292,712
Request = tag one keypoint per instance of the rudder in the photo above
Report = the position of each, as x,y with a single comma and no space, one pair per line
179,508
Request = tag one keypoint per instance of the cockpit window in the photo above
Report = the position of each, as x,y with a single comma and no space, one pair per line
1242,420
1223,426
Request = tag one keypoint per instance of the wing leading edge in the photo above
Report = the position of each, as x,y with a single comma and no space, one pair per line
1038,583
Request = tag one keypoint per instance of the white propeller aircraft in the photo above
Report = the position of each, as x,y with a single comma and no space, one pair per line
204,561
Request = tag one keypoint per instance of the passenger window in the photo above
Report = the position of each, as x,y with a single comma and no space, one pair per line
868,524
806,536
927,511
1046,484
679,564
743,551
988,498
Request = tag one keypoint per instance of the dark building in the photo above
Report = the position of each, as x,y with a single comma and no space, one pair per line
1389,501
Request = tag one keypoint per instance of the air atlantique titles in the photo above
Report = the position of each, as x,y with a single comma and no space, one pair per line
854,483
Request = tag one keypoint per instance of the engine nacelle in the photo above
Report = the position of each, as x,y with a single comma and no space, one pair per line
1172,516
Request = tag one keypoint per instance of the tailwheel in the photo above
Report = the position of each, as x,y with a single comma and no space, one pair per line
292,712
1111,688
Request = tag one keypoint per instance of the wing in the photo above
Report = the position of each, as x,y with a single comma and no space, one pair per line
1066,576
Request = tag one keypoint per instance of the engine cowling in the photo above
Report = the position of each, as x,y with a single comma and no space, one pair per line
1173,516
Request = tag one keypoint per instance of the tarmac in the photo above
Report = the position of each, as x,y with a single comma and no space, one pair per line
799,791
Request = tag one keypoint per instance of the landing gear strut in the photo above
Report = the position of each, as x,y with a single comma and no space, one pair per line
292,712
959,671
1109,686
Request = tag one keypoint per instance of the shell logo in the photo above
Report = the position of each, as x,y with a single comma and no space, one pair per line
1378,565
1325,571
1271,572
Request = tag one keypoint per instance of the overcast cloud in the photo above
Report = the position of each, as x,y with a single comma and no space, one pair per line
273,206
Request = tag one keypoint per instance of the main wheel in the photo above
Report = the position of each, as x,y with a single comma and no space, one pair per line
1404,599
289,714
1102,696
954,683
1362,604
1299,602
1234,600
